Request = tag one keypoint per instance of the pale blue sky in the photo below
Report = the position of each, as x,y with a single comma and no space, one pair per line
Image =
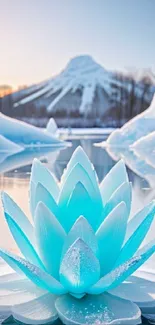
38,37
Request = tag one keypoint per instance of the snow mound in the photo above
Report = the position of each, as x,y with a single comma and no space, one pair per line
139,126
25,134
81,73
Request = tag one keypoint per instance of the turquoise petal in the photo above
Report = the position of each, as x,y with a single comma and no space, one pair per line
32,192
11,264
79,156
137,219
79,268
13,210
23,243
43,195
85,206
116,177
77,174
110,236
122,193
39,277
134,242
81,229
50,238
122,272
41,174
100,310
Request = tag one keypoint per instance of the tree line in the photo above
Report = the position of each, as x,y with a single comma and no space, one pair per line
131,94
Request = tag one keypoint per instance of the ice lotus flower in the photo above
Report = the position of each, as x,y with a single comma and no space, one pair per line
79,253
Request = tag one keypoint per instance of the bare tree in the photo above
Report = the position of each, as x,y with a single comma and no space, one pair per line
147,81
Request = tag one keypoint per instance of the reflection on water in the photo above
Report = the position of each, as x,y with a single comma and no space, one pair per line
135,163
15,174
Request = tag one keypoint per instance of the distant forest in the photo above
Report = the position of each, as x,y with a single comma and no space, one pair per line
129,97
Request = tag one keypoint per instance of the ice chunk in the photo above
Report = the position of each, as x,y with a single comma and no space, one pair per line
137,165
120,142
52,127
139,126
25,134
145,148
8,147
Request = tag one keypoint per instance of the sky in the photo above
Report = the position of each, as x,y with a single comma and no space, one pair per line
39,37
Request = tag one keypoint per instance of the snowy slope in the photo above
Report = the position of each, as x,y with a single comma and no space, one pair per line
81,73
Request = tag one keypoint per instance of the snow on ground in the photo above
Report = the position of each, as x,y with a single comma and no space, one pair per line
86,131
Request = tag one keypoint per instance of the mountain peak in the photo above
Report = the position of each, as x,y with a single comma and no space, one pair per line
81,73
81,61
83,64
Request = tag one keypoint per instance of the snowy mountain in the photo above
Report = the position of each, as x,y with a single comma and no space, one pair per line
84,94
77,87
